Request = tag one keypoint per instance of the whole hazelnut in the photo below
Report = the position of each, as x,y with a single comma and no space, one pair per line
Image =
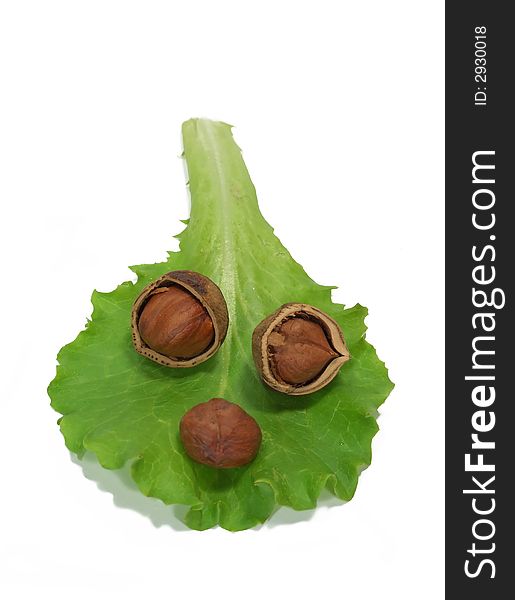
179,320
298,349
220,434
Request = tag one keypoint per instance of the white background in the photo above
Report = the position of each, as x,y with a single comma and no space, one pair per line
339,110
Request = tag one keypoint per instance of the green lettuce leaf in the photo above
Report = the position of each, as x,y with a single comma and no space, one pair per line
123,407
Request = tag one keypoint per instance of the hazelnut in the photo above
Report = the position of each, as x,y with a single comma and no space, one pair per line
220,434
298,349
175,324
179,320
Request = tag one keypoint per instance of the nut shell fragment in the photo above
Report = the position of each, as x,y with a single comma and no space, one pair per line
205,292
321,353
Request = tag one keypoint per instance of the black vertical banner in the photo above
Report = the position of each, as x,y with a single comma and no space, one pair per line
480,268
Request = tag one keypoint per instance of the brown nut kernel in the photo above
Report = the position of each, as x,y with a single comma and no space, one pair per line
220,434
174,323
298,349
179,320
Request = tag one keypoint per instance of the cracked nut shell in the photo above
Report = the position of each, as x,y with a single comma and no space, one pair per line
220,434
179,320
298,349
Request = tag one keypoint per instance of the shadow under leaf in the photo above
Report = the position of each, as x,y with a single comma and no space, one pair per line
126,494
